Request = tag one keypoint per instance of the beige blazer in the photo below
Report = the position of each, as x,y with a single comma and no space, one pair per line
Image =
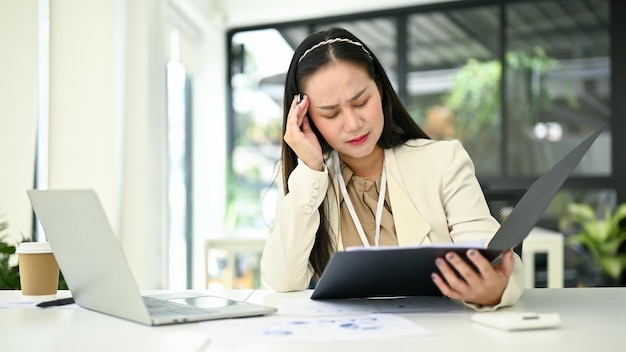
435,198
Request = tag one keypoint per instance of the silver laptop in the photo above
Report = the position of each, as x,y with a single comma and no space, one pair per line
97,273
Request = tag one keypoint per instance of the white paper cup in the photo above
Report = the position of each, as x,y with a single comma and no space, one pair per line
39,271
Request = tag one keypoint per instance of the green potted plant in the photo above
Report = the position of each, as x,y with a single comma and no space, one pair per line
602,237
9,275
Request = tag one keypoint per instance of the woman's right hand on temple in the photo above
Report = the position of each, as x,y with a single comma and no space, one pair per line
300,137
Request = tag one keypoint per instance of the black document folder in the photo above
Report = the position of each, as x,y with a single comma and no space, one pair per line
405,271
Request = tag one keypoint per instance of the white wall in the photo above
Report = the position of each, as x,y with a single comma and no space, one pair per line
142,209
18,111
83,86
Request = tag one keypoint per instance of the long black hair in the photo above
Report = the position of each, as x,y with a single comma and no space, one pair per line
316,51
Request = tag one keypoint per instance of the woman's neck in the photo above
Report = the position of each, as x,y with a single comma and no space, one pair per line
368,166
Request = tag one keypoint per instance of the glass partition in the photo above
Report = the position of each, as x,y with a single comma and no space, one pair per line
558,84
453,79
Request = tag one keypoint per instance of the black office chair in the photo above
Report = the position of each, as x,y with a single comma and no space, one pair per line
501,202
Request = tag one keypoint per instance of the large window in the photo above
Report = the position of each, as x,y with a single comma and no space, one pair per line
557,92
452,79
558,84
260,58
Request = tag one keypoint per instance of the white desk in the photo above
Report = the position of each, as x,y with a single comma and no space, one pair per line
593,319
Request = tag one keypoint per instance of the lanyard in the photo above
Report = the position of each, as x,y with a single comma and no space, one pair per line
379,207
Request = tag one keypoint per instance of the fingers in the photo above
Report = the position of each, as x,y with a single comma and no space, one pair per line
458,279
447,268
300,136
298,109
306,124
448,281
295,118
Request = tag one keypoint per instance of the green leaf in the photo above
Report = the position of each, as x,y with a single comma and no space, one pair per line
581,212
6,248
599,230
618,215
613,266
602,237
593,247
611,246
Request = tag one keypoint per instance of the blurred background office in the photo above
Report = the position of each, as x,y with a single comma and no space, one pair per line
171,109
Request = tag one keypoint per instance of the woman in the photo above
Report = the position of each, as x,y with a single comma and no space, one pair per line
358,171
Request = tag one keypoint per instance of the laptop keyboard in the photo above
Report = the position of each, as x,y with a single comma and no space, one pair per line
163,308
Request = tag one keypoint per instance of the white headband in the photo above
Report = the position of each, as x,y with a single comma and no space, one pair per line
334,40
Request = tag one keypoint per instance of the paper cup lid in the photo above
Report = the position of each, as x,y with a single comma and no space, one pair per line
34,248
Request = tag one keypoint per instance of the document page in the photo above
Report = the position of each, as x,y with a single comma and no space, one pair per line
290,329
